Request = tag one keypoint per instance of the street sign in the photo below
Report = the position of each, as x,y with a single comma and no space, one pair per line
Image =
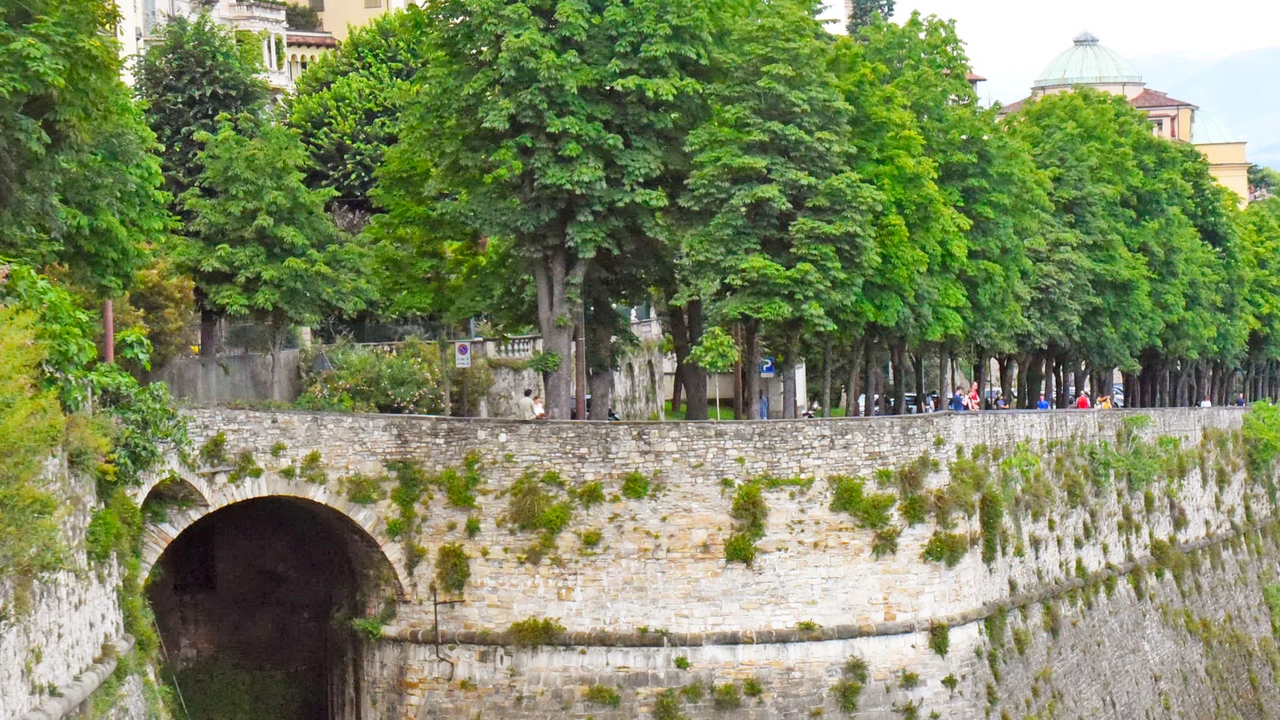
767,368
462,354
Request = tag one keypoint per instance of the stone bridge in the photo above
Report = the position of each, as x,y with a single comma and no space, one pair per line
309,525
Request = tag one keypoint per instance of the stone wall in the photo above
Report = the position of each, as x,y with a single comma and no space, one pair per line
657,586
247,377
55,630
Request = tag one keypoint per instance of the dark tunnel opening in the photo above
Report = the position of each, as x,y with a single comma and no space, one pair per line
254,604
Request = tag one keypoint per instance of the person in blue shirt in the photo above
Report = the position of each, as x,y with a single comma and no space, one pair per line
1042,404
957,401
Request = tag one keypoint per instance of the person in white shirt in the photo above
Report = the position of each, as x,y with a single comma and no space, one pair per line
1205,402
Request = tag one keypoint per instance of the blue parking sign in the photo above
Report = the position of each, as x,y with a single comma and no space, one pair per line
767,368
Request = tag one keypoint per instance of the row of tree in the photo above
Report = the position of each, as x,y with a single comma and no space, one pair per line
731,163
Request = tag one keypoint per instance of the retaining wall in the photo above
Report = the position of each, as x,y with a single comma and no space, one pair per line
657,585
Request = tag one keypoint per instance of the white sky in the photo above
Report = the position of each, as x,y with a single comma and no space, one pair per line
1010,41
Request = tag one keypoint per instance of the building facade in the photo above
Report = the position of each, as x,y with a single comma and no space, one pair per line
339,16
1090,64
286,51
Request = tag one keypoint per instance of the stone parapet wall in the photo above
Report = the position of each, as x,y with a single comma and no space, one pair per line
661,563
657,585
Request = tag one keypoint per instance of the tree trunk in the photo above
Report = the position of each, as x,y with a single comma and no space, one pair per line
751,369
695,378
741,405
826,376
208,333
446,375
922,395
680,347
108,331
869,378
1005,364
980,377
553,274
897,360
851,407
789,390
600,381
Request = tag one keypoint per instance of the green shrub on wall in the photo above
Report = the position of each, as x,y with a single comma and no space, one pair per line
750,513
603,695
453,569
939,637
948,548
849,688
534,632
635,486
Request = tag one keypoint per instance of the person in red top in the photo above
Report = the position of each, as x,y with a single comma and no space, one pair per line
1082,402
975,400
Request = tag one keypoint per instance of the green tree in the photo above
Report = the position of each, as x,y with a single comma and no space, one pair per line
787,240
907,85
545,122
301,17
79,183
260,242
717,353
347,104
193,74
864,12
1149,241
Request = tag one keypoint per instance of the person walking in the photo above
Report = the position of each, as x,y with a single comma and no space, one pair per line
1240,401
1042,404
525,409
1082,402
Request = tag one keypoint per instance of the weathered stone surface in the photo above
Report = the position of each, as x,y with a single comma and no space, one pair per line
53,632
657,587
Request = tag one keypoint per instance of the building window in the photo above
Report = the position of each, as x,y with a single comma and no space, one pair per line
373,3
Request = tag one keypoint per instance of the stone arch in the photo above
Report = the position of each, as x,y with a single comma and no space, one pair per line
258,596
364,521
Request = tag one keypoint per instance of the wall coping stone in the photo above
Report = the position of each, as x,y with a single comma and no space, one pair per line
77,691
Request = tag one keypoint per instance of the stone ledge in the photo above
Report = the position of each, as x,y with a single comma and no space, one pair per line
77,691
658,639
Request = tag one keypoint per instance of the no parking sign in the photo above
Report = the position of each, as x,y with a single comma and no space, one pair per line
462,354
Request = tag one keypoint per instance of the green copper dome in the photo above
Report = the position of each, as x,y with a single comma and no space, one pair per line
1208,130
1088,63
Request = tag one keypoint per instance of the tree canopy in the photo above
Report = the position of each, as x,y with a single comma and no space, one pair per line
191,76
347,104
260,243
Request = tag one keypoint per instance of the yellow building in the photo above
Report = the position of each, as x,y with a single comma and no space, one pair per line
1090,64
338,16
